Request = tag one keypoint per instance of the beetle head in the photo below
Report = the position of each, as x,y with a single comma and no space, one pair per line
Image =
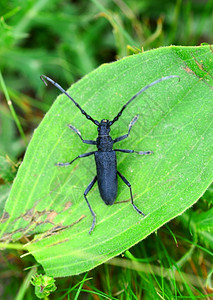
104,127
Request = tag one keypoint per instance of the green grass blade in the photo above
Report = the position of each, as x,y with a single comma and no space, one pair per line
12,110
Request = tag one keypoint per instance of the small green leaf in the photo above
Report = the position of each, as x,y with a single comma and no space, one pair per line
175,122
44,285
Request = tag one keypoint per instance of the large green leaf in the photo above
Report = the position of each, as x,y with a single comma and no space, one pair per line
175,122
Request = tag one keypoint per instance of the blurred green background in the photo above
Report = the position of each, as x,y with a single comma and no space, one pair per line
66,40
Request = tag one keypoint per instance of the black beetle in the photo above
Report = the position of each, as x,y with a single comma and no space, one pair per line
105,157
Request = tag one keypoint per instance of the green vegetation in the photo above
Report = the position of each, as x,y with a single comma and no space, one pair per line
67,41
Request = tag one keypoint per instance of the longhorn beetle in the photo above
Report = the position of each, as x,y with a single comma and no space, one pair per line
105,157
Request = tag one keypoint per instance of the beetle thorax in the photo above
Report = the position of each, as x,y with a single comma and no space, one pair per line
104,140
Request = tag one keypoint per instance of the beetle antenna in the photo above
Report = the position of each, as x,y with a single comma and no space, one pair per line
43,77
138,93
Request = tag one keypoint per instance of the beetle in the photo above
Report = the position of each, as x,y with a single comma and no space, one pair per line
105,156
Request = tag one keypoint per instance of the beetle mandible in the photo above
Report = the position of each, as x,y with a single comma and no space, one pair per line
105,156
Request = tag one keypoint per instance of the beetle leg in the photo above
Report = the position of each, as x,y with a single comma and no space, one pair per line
79,134
130,188
133,151
79,156
90,208
120,138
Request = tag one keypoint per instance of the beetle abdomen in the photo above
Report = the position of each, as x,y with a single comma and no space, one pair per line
106,166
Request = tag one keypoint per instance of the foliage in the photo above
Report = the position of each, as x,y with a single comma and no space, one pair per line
44,285
67,40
